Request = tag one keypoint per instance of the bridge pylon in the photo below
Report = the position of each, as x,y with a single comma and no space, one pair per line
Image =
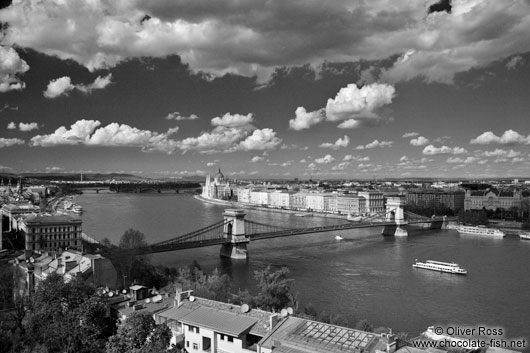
395,213
235,246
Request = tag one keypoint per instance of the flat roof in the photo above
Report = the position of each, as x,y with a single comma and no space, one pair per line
51,219
219,321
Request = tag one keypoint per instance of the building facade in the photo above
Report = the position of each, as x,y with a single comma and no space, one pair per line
375,201
453,200
217,188
493,199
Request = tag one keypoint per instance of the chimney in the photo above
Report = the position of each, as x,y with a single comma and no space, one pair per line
273,320
180,296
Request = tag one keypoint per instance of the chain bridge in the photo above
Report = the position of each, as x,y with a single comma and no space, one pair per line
234,232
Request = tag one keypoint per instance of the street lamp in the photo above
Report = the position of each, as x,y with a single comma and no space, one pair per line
124,276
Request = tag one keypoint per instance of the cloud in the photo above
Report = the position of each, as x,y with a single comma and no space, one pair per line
28,126
305,119
256,159
375,144
89,133
509,137
232,132
63,86
410,134
252,38
178,117
325,160
515,62
341,142
211,164
11,126
500,152
233,120
11,66
350,157
431,150
10,142
341,166
419,141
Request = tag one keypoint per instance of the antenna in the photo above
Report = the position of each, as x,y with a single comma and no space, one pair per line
192,298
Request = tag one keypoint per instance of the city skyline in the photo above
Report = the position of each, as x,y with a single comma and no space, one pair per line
272,90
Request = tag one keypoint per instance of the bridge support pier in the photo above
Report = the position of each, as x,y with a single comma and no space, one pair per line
395,213
235,246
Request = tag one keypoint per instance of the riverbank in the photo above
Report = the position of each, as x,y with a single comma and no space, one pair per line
269,209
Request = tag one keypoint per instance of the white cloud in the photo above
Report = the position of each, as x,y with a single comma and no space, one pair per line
341,142
325,160
12,125
89,133
233,120
410,134
210,164
500,152
419,141
431,150
256,159
10,142
264,139
350,157
178,117
63,85
509,137
28,126
305,119
375,144
11,66
341,166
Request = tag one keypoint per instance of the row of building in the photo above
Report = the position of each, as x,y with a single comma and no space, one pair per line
362,202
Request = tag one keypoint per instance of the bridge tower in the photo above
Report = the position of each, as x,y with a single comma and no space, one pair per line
395,213
235,246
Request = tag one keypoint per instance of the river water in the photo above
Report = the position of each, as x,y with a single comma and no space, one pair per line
363,276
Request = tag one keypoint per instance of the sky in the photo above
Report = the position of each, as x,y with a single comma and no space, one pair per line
266,89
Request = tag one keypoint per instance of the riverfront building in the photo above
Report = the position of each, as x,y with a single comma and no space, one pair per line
434,198
217,188
375,201
493,199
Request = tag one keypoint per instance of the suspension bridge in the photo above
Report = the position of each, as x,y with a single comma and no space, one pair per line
234,232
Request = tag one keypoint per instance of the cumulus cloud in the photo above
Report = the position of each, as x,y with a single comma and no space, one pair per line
509,137
305,119
500,152
431,150
28,126
63,85
410,134
341,166
233,120
90,133
249,37
11,67
514,62
419,141
350,157
325,160
11,126
178,117
341,142
375,144
10,142
256,159
232,132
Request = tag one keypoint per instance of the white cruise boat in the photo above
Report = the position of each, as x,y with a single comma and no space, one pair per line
524,236
481,230
77,209
449,267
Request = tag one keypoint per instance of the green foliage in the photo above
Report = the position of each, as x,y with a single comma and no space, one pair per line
473,217
429,210
364,325
6,289
275,292
67,317
132,239
214,286
140,334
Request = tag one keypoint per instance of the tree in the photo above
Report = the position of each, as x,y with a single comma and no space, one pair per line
275,292
132,239
68,317
364,325
140,334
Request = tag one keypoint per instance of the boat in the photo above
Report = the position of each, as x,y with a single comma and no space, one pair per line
524,236
338,237
303,214
449,267
481,230
353,218
77,209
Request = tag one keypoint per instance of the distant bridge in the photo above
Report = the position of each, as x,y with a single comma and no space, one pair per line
234,232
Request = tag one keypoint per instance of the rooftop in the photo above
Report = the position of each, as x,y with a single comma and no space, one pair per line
51,219
219,321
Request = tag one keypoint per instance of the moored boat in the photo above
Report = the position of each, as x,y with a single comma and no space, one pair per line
481,230
77,209
524,236
448,267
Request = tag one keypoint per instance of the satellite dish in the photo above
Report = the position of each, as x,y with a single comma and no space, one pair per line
124,291
245,308
111,294
192,298
290,311
147,301
284,313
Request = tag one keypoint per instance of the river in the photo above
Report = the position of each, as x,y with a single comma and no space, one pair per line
363,276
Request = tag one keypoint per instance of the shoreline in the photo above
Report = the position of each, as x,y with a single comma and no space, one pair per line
277,210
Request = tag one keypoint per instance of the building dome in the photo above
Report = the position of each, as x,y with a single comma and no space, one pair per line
219,175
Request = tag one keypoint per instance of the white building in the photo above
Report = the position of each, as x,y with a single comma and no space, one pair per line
218,188
375,201
315,202
259,197
279,199
243,195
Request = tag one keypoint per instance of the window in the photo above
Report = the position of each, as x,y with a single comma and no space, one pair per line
188,344
206,344
195,346
230,339
222,337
